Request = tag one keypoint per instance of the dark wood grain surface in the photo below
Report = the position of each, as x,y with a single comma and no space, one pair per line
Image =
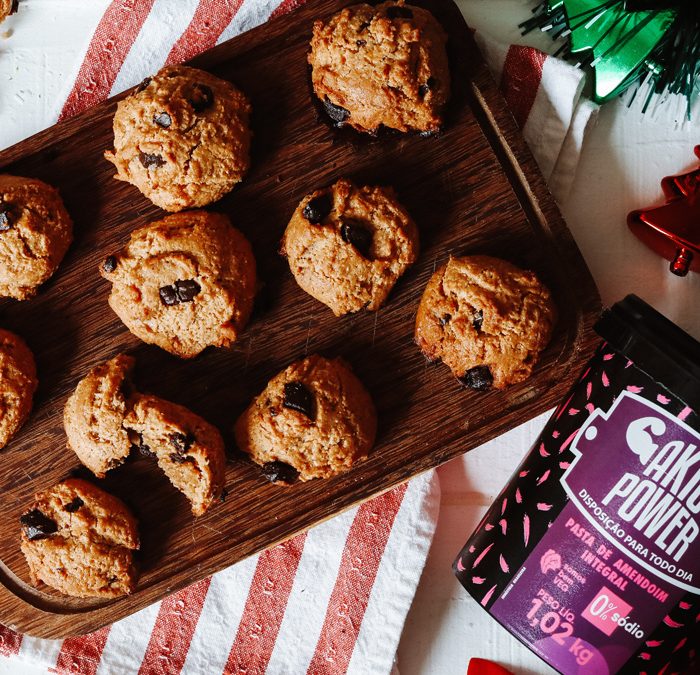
473,189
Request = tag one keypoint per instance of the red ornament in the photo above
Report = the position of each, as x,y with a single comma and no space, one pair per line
485,667
673,229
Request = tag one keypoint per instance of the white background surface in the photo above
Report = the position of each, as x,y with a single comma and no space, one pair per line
623,160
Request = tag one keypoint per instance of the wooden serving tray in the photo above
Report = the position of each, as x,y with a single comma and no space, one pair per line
475,188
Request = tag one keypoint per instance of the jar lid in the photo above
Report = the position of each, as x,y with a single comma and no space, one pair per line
655,345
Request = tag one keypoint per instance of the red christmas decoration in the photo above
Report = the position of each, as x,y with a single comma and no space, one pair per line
673,229
485,667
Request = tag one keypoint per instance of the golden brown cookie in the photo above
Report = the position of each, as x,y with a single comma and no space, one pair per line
486,319
313,420
18,383
35,233
182,138
94,416
80,540
383,65
184,283
189,450
347,246
8,7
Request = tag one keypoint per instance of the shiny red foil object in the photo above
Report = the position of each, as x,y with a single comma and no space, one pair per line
485,667
673,229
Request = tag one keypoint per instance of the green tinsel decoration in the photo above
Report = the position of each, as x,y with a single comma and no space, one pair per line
672,65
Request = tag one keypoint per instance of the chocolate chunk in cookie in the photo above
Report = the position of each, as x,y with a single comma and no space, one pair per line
279,472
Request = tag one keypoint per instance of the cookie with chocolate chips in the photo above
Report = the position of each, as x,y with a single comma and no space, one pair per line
182,138
35,233
94,416
347,246
381,66
313,420
486,319
188,449
184,283
18,383
79,540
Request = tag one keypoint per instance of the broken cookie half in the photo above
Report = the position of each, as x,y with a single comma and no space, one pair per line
106,419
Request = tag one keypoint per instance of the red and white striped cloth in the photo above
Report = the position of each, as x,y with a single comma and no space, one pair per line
332,600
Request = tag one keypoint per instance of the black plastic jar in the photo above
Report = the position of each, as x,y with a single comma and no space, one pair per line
591,554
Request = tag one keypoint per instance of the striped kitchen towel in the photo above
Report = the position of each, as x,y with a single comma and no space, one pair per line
334,599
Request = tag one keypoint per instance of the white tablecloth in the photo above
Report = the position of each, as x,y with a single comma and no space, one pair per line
623,160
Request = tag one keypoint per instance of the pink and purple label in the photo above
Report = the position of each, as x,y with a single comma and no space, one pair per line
592,553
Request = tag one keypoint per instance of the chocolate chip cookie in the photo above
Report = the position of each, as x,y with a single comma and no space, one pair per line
18,383
486,319
94,416
182,138
184,283
347,246
80,540
35,233
313,420
189,450
381,66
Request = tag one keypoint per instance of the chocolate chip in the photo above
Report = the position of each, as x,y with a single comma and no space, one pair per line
181,442
360,43
355,233
73,506
428,86
478,378
445,319
180,291
298,397
14,6
162,120
180,459
168,295
144,83
398,12
5,219
202,97
337,113
279,472
149,160
478,319
363,26
274,411
36,525
145,450
137,444
318,208
110,264
187,290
